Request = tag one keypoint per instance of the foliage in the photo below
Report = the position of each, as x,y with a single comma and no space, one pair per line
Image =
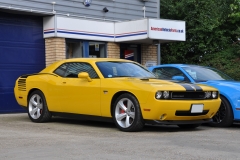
212,33
227,60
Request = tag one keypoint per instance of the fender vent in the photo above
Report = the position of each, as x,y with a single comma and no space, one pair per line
22,84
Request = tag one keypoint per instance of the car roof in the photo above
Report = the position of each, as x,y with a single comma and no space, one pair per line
54,65
177,65
93,60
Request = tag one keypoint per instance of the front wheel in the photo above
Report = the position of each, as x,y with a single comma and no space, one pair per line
37,107
127,114
224,116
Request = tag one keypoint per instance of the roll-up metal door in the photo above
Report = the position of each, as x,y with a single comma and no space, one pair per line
22,51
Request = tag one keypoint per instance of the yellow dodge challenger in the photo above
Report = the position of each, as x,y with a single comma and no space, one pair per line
115,90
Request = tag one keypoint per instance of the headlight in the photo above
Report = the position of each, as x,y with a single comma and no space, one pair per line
158,95
208,94
166,94
214,94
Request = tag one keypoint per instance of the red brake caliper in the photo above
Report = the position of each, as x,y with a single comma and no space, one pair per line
122,111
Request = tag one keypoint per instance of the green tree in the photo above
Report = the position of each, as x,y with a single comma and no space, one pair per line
212,31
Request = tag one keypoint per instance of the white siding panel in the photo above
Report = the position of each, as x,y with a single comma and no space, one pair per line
118,9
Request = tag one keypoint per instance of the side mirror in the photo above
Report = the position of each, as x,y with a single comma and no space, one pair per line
178,78
84,75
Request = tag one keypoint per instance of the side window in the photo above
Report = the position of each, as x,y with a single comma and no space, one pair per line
161,73
61,70
75,68
168,72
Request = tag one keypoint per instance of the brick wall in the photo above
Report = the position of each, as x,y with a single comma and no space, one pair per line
113,50
55,49
149,53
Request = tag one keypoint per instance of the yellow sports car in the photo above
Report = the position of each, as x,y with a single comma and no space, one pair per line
114,90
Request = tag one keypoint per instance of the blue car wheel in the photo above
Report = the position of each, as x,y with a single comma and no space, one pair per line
224,116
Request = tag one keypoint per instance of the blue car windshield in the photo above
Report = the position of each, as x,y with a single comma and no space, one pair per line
202,74
113,69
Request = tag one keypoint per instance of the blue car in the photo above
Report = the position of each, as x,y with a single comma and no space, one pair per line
229,110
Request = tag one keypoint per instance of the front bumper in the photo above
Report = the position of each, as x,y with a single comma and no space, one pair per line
171,111
173,122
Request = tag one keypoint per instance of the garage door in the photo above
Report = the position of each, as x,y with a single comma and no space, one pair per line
22,51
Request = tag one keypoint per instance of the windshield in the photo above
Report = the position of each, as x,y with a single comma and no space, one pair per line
201,74
123,69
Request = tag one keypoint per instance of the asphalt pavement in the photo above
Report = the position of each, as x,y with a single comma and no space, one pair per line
65,139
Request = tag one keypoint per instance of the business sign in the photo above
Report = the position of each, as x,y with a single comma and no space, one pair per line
150,63
129,54
167,29
145,30
96,47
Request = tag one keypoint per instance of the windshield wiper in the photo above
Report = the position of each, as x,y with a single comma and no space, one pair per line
201,81
120,76
147,78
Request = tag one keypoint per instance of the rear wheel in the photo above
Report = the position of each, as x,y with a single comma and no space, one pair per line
37,107
224,116
188,126
127,114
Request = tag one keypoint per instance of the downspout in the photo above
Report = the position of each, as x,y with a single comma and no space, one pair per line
158,46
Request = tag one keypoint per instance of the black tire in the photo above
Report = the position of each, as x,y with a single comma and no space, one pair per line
37,107
188,126
224,116
127,115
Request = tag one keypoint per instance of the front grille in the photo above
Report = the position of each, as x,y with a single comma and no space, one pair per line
22,84
188,95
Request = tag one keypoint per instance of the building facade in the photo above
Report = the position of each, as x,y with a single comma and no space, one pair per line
35,33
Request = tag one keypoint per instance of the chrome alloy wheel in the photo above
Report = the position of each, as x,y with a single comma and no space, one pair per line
125,113
35,106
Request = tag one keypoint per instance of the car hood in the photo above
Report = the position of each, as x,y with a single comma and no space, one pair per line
223,83
157,84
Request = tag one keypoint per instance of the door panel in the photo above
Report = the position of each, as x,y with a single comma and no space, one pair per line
80,96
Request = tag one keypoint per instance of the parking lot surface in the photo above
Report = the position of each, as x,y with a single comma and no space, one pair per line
63,139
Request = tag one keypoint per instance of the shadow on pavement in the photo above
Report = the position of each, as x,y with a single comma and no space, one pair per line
98,124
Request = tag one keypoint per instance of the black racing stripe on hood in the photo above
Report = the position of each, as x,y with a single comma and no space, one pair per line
198,88
27,75
187,87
